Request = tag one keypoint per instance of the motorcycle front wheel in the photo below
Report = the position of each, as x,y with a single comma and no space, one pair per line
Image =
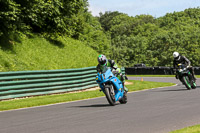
193,85
110,94
187,82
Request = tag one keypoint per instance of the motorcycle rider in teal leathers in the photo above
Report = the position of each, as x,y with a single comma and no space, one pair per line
103,61
179,59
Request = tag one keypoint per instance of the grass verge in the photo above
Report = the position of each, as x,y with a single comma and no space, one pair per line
142,85
192,129
38,53
134,85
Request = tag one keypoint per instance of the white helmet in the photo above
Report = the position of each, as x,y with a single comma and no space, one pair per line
176,55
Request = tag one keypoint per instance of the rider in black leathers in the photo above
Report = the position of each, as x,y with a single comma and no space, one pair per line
183,60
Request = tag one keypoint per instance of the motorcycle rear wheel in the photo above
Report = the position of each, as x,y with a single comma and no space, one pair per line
187,82
109,95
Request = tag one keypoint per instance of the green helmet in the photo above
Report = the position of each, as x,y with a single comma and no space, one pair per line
102,59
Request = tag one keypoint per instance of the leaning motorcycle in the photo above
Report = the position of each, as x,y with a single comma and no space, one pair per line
185,77
111,86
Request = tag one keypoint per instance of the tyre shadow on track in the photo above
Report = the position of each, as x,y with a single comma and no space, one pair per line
94,106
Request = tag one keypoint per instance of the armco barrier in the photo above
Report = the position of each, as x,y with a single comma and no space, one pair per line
197,70
158,70
30,83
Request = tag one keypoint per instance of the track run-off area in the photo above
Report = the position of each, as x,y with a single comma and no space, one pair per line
158,110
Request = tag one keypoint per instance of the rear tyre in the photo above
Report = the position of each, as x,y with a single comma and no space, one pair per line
123,100
109,92
187,82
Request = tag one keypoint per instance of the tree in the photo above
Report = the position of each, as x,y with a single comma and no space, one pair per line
9,18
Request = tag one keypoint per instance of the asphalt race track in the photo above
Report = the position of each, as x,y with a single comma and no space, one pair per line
153,111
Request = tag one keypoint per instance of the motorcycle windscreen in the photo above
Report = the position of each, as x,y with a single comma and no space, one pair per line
104,69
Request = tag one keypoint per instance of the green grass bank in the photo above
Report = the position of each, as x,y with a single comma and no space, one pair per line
38,53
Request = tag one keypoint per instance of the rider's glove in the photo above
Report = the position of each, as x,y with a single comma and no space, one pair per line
115,68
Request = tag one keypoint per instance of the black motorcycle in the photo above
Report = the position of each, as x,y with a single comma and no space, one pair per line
186,77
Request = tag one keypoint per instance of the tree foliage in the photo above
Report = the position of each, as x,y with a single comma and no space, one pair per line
149,40
51,18
9,17
127,39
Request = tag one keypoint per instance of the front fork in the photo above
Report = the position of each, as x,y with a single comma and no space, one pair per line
190,76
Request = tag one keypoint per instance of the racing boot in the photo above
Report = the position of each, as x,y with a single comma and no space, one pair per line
125,89
194,77
181,81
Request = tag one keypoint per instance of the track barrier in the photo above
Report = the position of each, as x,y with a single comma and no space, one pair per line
158,70
32,83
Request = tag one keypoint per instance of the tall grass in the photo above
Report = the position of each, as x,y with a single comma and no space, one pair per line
38,53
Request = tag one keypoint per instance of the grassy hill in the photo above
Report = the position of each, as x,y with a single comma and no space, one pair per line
37,53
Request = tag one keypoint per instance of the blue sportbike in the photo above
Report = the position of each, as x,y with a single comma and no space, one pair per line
111,86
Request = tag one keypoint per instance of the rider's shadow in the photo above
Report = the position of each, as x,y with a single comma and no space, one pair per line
95,106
